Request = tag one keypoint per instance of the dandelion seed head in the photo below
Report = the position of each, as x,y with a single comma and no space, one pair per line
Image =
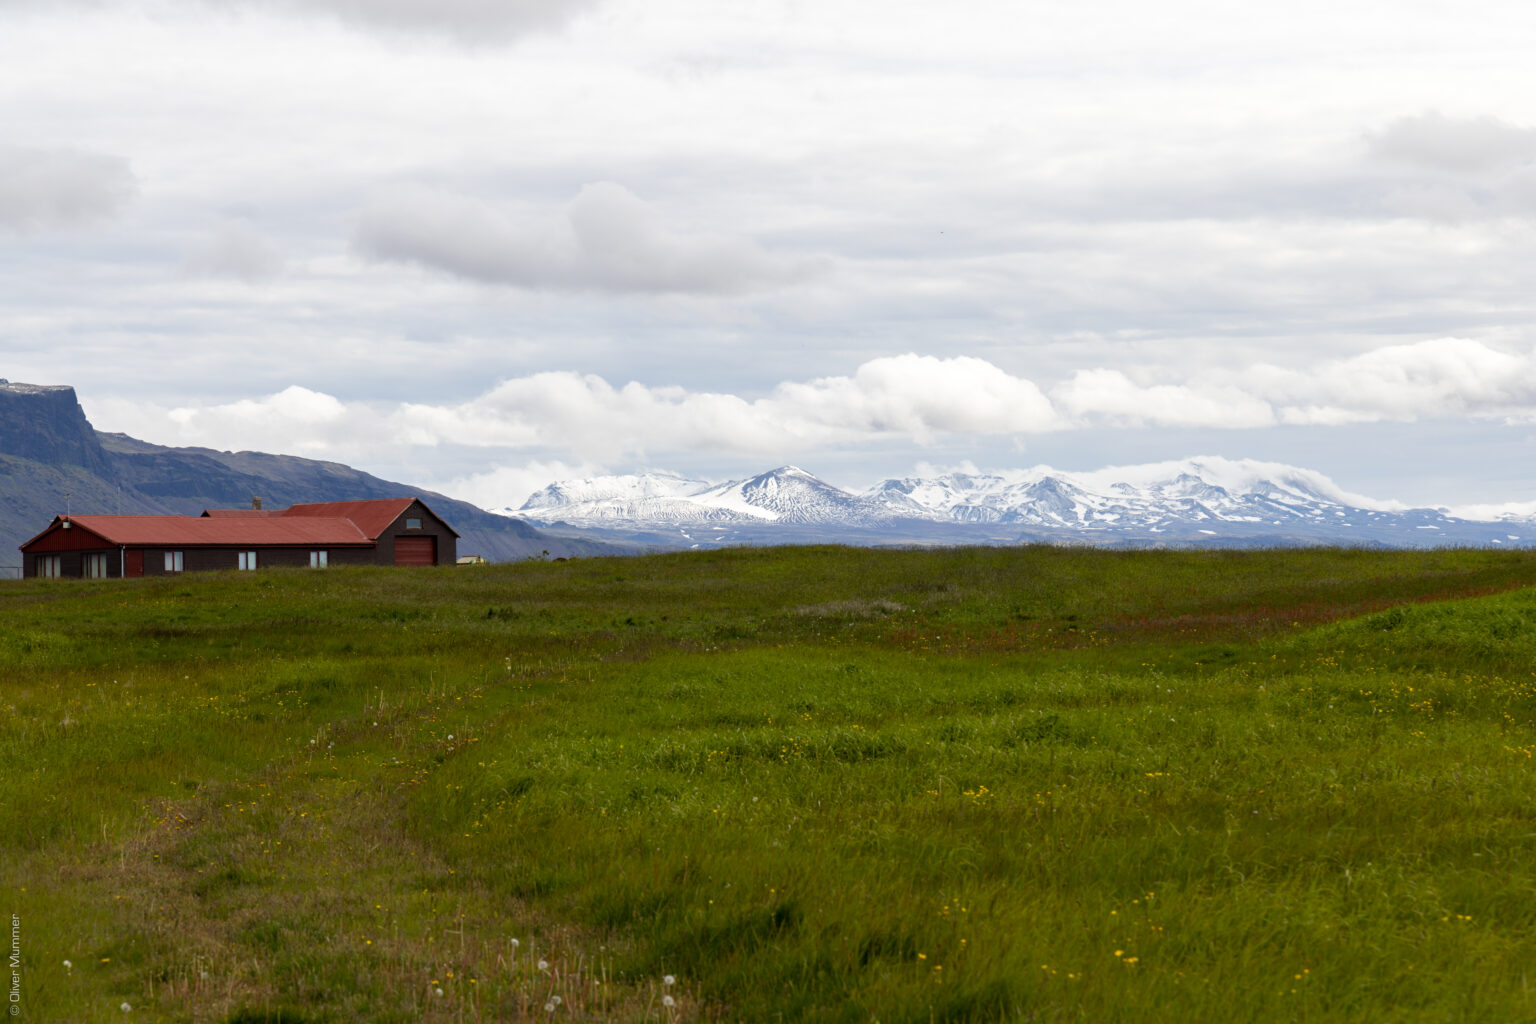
68,966
438,991
668,980
515,943
543,965
549,1007
555,1000
668,1001
126,1008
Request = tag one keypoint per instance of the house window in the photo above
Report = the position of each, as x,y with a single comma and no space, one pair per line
318,559
247,560
95,566
48,566
173,561
413,524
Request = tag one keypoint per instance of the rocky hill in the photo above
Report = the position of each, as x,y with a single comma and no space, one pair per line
52,460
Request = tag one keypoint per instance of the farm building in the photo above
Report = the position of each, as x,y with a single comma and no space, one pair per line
388,531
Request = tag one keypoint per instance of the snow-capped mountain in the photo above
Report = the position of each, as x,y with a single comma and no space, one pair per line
791,495
784,495
1204,500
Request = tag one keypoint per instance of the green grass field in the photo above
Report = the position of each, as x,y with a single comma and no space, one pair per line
804,784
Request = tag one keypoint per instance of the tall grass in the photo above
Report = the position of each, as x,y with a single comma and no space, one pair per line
815,784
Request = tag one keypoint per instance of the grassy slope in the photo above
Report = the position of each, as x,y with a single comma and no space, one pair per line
818,784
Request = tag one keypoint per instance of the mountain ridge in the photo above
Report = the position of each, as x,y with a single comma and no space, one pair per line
52,460
1203,500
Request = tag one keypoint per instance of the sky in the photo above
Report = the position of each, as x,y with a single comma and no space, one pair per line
478,245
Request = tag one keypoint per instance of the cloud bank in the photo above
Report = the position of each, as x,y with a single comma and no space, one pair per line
471,22
1456,144
235,250
921,399
53,188
605,239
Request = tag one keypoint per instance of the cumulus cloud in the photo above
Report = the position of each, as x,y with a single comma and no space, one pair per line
910,396
1441,377
49,188
918,397
1519,513
1438,378
508,486
235,250
606,238
1457,144
1112,397
922,399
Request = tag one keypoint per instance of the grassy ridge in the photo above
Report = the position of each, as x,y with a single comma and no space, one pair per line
819,784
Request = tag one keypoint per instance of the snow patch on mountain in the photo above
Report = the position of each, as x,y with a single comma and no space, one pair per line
1187,500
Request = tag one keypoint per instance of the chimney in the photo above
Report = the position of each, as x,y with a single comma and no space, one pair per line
255,504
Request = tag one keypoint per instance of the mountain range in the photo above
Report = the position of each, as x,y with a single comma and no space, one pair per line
1206,501
52,460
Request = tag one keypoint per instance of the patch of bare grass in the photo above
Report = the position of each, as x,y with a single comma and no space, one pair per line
850,608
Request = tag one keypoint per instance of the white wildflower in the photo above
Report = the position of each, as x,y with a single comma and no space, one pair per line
668,1001
68,966
668,980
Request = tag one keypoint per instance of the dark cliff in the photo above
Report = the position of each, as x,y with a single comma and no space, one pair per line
52,460
46,424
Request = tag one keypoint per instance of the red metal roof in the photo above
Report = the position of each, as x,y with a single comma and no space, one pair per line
239,531
372,517
318,524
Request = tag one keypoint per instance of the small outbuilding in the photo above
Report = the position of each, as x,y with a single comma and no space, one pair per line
386,531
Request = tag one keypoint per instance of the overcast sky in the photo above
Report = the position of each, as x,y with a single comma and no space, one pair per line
479,244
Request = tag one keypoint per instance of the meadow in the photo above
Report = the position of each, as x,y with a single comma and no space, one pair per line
818,784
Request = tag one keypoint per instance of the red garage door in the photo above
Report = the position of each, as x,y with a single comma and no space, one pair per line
415,550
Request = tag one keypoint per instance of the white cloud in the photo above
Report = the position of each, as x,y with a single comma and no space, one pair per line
469,21
473,22
1443,377
508,486
1111,396
296,420
50,188
1519,513
918,399
606,238
1458,144
1438,378
235,249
